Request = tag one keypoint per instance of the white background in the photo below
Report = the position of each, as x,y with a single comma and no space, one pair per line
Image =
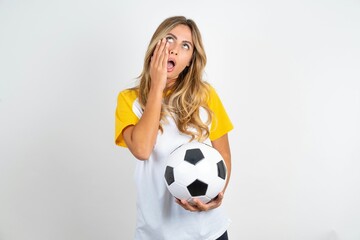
287,71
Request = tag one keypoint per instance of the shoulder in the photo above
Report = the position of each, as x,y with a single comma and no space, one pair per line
213,97
128,95
210,89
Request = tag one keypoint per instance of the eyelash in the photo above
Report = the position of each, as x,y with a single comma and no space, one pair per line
169,38
187,47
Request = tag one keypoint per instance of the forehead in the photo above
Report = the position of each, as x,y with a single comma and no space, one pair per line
182,32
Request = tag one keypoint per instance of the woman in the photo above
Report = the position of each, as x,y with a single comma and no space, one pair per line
172,105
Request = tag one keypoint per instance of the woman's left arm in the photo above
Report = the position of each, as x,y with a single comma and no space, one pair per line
222,145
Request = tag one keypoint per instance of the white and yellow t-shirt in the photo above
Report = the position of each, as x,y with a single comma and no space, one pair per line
159,217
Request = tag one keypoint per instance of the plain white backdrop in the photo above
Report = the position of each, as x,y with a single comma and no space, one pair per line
287,71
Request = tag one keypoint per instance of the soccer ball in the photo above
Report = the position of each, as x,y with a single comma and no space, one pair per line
195,170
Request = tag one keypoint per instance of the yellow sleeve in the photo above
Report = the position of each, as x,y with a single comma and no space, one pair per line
221,123
124,115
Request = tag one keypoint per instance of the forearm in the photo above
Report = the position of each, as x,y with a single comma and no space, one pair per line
222,145
141,138
227,160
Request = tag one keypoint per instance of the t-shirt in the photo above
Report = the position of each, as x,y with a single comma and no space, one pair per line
159,217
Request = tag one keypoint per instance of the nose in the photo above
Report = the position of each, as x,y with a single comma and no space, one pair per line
173,49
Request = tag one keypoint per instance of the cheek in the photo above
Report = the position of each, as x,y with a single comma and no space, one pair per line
187,60
190,58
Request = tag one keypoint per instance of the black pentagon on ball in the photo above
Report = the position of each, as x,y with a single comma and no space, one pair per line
197,188
221,169
169,175
193,156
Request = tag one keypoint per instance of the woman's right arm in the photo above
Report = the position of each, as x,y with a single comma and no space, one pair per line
141,138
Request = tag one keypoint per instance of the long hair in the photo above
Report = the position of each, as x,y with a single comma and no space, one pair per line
184,98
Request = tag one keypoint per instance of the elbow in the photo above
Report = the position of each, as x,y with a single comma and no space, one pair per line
141,153
142,157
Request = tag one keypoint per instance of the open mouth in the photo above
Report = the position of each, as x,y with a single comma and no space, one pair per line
170,65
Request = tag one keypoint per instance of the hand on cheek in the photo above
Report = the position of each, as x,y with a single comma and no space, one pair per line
158,64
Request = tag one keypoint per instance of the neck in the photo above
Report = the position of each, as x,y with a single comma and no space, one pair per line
170,82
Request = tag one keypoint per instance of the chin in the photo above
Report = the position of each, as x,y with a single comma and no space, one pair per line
172,77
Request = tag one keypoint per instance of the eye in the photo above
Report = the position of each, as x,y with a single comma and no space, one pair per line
186,46
170,39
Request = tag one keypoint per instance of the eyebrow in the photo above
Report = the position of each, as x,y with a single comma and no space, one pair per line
185,41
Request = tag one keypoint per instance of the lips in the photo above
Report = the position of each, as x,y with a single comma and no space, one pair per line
170,65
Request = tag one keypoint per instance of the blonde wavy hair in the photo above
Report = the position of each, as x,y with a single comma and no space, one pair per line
183,99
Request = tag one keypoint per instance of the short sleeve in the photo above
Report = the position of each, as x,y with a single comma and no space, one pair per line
124,115
221,123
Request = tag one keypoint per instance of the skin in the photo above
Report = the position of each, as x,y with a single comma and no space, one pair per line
141,138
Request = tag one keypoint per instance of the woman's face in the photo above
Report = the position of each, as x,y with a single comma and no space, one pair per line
181,48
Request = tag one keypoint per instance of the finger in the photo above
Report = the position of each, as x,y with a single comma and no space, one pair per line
191,207
166,55
186,205
216,202
156,51
220,196
152,61
161,50
154,57
202,206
